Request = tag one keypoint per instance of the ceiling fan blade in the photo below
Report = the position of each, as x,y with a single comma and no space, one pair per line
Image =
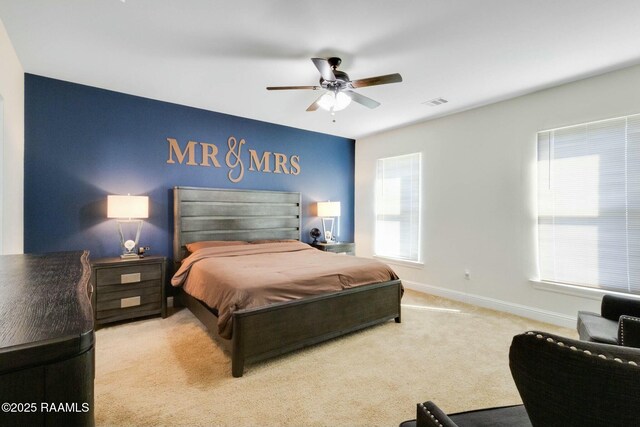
315,105
293,87
361,99
325,69
379,80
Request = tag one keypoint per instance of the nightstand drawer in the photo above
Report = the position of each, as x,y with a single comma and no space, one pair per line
128,274
117,292
129,305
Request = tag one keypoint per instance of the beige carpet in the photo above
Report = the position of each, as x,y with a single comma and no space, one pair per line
170,372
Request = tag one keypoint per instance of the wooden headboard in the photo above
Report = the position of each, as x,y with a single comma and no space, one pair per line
221,214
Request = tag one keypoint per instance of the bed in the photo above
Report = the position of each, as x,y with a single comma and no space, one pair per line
206,214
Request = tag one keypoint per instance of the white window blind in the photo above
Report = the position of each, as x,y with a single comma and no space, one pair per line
397,233
589,204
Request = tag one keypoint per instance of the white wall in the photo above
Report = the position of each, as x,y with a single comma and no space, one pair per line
479,195
12,154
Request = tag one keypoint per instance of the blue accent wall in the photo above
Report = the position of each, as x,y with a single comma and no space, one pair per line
83,143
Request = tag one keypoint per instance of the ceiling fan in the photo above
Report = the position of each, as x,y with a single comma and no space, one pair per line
338,86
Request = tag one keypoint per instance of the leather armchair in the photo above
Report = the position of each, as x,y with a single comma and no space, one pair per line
618,322
562,382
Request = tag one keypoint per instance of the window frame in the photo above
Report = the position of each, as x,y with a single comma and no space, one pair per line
418,262
584,289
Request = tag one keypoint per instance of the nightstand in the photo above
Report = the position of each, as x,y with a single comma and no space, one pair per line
128,289
338,248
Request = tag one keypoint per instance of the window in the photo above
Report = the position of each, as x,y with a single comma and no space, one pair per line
589,204
397,233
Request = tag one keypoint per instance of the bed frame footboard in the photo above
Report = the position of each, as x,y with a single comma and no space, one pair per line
279,328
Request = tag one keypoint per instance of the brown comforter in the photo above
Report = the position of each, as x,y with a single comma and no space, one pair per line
232,278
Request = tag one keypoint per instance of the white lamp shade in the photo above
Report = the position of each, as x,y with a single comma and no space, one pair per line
328,209
127,207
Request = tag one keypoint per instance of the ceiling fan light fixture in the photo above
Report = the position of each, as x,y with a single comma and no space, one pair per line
332,101
338,86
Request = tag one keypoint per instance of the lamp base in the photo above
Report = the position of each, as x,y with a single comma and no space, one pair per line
327,226
130,256
129,246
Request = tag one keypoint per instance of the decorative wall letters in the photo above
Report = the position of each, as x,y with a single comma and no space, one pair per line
205,154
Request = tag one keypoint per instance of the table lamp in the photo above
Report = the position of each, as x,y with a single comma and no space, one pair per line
128,210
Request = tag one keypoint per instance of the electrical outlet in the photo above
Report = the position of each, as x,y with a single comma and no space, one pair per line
467,274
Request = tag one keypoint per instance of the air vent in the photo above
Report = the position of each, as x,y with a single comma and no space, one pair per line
435,102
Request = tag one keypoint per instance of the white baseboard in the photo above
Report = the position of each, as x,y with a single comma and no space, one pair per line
494,304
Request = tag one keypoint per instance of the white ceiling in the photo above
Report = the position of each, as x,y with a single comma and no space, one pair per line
220,55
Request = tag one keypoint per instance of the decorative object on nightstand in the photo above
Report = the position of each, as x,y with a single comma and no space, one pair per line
348,248
128,288
128,210
329,212
315,233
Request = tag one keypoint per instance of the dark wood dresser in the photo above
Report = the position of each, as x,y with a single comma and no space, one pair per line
46,340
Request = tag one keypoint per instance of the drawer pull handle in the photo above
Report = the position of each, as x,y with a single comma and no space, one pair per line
129,302
129,278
